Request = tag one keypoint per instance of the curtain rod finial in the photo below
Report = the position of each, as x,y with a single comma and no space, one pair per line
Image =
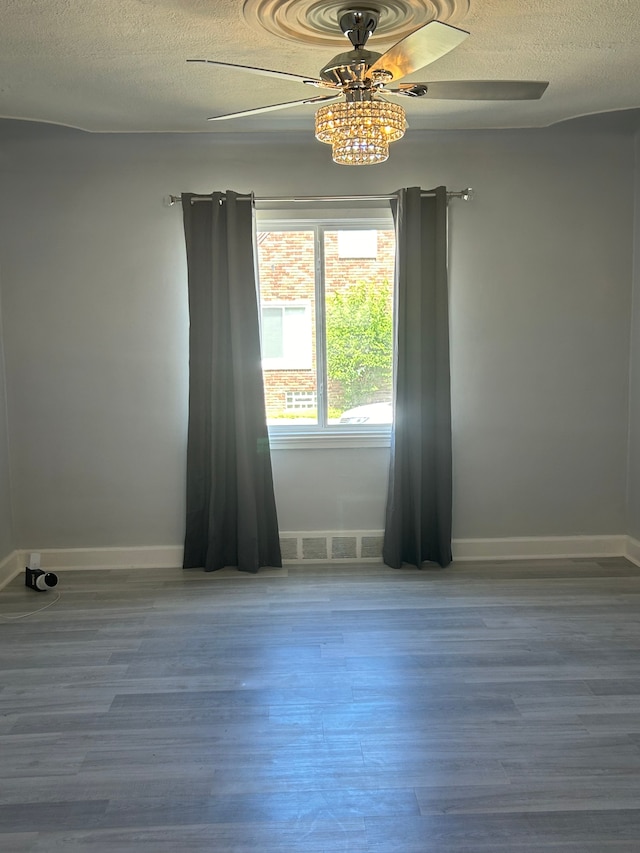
468,194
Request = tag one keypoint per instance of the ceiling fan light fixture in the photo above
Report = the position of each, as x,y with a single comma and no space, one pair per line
360,132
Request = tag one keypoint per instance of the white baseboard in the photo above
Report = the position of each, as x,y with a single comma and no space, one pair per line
633,550
310,546
10,567
152,557
338,546
539,547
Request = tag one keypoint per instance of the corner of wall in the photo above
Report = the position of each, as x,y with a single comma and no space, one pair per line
10,568
633,432
9,522
633,550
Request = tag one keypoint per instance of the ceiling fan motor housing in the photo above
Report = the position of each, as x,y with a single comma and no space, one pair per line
350,68
358,24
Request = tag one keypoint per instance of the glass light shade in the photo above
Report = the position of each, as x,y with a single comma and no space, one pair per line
360,131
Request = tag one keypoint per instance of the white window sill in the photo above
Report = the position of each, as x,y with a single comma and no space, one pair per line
313,438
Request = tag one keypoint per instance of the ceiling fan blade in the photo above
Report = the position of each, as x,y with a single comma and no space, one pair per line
282,75
272,107
474,90
418,49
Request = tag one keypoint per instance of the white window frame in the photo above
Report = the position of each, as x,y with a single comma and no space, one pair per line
324,435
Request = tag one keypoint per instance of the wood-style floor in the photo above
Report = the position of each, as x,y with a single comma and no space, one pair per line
480,709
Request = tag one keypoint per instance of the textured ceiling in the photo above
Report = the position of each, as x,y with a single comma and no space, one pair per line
119,65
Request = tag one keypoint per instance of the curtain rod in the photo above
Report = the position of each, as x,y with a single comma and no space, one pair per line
465,195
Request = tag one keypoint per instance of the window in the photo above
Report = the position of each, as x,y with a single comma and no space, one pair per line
286,336
326,298
296,400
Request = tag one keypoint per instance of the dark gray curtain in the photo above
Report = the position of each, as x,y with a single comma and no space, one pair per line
418,517
231,512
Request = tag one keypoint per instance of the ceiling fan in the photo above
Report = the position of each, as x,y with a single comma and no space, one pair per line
356,118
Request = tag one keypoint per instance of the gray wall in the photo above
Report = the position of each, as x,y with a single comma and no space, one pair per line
633,524
96,328
6,523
